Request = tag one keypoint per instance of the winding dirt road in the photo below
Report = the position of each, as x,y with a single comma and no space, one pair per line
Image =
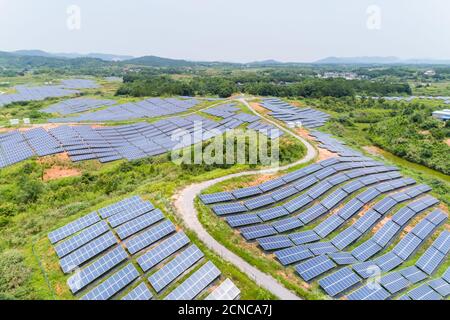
185,208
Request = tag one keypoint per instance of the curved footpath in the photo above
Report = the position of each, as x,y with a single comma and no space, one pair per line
185,208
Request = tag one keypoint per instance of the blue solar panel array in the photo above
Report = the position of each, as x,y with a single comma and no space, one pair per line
77,105
91,249
106,144
307,117
149,108
351,184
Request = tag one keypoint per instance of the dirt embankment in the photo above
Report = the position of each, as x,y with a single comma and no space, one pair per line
59,166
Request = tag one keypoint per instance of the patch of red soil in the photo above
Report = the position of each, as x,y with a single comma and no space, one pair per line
58,172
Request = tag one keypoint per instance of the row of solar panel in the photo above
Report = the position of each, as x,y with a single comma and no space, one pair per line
141,226
306,117
342,240
148,108
346,278
333,222
319,170
308,215
41,93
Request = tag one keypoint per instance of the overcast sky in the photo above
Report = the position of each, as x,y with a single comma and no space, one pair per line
230,30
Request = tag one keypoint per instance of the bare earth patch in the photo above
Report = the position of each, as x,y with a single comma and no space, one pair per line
258,108
58,172
447,141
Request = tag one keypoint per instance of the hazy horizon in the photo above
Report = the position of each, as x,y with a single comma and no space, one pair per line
233,31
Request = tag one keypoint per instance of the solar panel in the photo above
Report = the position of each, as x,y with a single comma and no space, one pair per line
81,239
304,237
275,243
139,224
368,195
283,193
140,293
216,197
423,229
424,292
172,270
413,274
346,237
440,286
334,199
403,216
319,190
305,183
314,267
436,217
430,260
287,224
312,213
272,213
113,284
87,252
366,250
367,269
292,255
297,203
388,261
229,208
90,273
272,184
442,243
386,233
369,292
353,186
259,231
350,209
117,207
246,192
339,281
446,275
342,258
196,283
320,248
383,206
243,220
259,202
394,282
338,179
149,236
73,227
131,213
162,251
227,290
329,225
367,221
407,246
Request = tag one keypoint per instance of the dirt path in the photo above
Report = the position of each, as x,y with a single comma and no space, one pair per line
185,208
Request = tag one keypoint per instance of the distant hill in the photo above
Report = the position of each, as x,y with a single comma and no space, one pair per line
154,61
102,56
378,60
269,62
